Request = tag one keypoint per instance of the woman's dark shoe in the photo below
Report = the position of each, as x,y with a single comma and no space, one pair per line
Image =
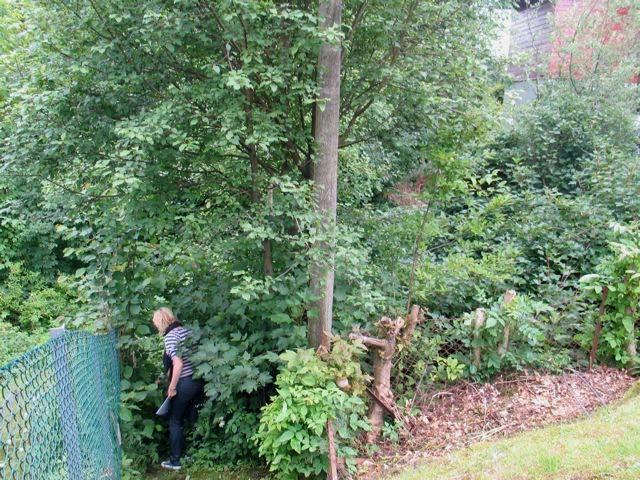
169,465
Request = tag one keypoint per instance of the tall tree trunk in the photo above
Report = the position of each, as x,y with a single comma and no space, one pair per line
325,174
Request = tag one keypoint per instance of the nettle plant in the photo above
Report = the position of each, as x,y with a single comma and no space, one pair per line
311,390
616,287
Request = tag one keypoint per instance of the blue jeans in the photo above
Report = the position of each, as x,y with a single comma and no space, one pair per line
189,393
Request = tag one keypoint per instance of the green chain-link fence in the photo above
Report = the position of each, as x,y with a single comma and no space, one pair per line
59,411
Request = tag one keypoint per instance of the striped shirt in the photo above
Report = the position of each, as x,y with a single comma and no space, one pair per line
172,342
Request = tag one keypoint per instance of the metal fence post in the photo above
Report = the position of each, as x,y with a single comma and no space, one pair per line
67,405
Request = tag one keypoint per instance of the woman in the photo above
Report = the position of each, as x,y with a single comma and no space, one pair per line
183,391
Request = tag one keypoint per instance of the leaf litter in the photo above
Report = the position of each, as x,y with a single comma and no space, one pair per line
467,413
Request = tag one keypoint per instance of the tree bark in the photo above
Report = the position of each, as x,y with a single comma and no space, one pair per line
414,317
325,175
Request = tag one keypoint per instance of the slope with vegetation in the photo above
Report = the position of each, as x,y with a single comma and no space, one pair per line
160,153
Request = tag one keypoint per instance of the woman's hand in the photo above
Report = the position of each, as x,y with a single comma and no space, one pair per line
175,376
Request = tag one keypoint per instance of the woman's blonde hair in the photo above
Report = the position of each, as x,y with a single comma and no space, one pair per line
162,318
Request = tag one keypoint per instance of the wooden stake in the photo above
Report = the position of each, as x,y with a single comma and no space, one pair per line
632,343
503,348
332,474
477,325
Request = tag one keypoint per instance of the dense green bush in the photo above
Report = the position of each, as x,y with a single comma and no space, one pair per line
530,345
29,305
292,434
16,342
560,135
616,285
30,302
533,217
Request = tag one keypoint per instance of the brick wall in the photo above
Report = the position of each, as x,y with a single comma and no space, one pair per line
572,37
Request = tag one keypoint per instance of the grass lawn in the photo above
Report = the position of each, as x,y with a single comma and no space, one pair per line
605,445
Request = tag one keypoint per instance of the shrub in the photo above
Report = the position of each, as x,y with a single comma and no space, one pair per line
529,343
562,132
30,302
619,274
292,432
15,342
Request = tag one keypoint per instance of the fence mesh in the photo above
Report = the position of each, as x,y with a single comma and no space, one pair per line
418,365
59,411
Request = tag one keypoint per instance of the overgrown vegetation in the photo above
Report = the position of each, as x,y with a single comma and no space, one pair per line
311,392
160,153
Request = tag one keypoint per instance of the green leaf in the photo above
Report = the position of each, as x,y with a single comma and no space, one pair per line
628,323
125,414
280,318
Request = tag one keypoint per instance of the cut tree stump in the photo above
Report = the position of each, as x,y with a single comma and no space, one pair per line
384,348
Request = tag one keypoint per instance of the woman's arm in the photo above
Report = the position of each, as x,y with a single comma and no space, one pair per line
175,376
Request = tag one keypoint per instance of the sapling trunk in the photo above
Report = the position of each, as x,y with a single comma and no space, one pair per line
598,330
